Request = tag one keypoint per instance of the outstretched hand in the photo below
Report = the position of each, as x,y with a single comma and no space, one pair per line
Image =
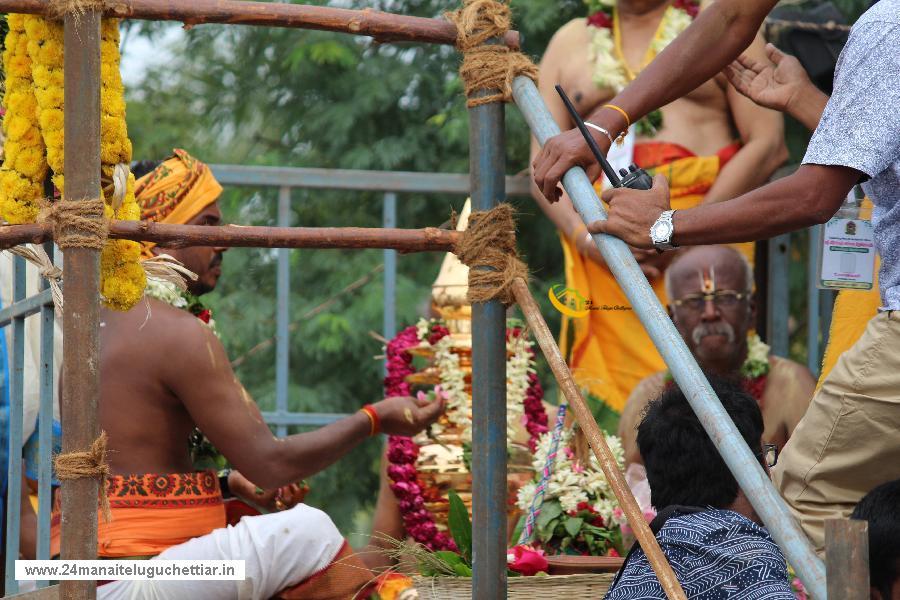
403,415
777,84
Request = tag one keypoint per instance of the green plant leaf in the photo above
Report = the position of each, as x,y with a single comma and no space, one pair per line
460,525
573,525
462,570
549,511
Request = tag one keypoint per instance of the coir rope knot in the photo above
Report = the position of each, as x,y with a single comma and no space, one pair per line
86,464
487,66
76,224
488,248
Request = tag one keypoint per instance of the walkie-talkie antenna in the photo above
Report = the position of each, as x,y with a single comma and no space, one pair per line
604,164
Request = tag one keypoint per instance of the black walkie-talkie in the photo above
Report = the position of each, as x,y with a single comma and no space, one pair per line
633,177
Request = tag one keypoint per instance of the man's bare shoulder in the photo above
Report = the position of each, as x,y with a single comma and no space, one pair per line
156,326
783,370
574,33
646,390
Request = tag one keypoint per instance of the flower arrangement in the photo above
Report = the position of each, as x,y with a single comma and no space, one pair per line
35,134
524,404
580,514
611,71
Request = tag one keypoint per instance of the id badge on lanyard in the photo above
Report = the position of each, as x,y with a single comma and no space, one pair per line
847,251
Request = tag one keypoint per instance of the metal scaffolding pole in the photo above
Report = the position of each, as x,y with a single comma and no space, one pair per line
81,313
487,165
740,460
282,313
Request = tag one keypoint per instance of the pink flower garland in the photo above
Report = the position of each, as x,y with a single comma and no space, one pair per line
403,451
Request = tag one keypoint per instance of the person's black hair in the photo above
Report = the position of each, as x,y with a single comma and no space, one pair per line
881,508
141,167
683,466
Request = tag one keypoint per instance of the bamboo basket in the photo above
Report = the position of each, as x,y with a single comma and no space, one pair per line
570,587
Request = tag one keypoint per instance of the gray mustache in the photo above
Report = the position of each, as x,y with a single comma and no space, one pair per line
704,329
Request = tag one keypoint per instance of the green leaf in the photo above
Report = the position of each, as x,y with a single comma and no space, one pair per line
549,511
460,525
451,558
462,570
573,525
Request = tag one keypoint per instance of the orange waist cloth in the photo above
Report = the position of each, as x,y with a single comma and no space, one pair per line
609,351
153,512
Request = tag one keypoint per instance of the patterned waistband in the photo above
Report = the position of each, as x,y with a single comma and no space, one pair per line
171,490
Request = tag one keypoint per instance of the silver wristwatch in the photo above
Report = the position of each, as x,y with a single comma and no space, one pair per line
662,230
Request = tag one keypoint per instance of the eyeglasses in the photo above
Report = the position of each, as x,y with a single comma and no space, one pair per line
770,454
723,299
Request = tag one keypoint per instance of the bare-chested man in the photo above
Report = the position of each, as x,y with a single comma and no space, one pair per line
711,304
712,144
163,373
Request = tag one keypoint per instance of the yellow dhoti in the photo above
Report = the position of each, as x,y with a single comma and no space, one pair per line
610,352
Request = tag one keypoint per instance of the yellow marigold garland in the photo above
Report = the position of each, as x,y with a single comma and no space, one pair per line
35,59
24,166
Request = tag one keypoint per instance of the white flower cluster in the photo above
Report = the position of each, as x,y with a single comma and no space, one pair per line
757,350
453,380
453,384
609,72
571,484
165,291
518,366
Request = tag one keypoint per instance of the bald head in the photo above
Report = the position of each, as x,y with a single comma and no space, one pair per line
709,299
694,264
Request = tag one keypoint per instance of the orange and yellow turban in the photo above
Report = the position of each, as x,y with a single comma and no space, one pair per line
176,191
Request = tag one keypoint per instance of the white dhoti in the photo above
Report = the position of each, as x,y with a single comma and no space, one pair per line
279,550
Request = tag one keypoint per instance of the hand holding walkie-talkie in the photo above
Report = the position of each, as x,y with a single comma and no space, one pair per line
633,177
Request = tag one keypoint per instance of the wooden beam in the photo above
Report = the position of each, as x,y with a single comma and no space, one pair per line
429,239
847,559
382,26
81,313
597,440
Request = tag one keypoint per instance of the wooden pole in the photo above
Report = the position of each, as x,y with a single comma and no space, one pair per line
430,239
81,314
382,26
597,440
847,559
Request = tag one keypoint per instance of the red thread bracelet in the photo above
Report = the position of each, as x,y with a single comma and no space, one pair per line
374,421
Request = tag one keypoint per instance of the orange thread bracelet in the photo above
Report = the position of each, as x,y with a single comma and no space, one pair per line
374,421
621,138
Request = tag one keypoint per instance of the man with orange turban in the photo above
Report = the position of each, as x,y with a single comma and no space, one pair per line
165,378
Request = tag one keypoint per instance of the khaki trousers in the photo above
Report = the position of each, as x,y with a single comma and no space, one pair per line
849,440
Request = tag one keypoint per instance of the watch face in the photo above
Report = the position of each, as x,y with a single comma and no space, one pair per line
662,231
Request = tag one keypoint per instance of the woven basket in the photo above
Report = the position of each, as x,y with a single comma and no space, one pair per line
567,587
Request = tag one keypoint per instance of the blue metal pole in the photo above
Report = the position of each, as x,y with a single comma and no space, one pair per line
389,320
45,426
487,165
16,388
740,460
282,317
813,361
779,296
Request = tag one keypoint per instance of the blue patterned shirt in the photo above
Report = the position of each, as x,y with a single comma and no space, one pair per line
716,555
860,128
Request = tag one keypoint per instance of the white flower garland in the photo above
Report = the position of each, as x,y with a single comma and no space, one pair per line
609,72
168,292
453,380
570,484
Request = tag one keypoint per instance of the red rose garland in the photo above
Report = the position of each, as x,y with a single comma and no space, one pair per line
403,451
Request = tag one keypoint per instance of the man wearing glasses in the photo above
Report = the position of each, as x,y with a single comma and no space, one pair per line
712,306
